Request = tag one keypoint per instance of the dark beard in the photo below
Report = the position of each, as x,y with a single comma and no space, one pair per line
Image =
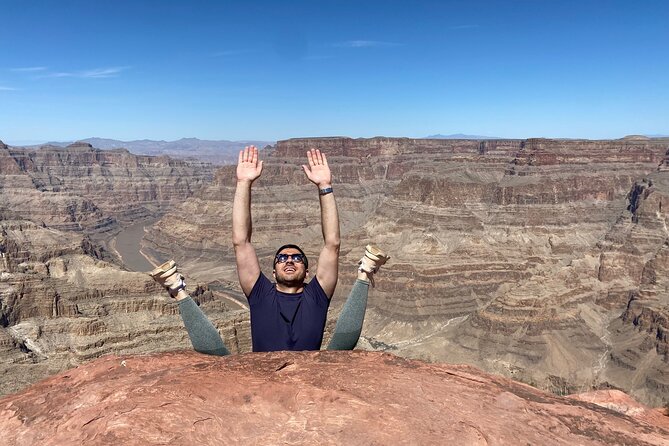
299,281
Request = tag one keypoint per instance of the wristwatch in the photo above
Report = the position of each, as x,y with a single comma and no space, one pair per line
327,190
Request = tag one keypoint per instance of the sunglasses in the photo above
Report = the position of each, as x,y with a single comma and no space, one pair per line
283,258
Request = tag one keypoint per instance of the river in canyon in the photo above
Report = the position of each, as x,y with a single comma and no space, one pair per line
127,245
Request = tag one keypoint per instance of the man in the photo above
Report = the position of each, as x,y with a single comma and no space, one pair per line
289,314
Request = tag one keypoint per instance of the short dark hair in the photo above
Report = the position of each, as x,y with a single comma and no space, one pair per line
306,260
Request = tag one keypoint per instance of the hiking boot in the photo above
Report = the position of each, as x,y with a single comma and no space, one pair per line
372,261
168,276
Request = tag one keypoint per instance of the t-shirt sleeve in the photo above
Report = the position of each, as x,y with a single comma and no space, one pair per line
315,292
260,289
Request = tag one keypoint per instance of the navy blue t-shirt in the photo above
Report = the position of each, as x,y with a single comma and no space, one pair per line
283,321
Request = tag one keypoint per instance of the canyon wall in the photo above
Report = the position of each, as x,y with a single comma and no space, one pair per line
64,297
62,305
83,188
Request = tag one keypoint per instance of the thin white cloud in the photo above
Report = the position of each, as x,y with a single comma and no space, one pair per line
28,69
7,88
95,73
365,44
103,72
58,75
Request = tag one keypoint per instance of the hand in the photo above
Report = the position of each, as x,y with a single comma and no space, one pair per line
248,167
318,171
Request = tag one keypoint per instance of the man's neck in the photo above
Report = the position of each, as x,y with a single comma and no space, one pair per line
290,289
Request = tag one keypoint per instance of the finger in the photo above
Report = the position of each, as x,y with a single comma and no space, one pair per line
310,158
325,160
254,155
315,153
306,171
241,157
246,154
259,167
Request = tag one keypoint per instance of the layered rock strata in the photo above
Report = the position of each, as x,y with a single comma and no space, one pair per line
83,188
499,248
62,304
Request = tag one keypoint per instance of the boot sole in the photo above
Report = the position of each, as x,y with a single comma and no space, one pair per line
376,254
162,271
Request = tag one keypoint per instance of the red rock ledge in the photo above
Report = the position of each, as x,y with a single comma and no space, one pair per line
347,398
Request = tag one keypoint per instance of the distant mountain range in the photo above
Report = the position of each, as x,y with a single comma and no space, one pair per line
215,152
460,136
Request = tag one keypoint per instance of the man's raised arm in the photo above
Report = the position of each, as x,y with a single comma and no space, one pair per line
319,173
248,170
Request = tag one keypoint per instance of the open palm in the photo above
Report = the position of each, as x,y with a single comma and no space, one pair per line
318,171
248,166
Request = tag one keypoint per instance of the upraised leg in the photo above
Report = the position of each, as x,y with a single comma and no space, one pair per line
349,325
202,333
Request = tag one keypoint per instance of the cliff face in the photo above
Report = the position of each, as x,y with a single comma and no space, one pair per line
62,298
636,251
83,188
353,398
61,305
505,254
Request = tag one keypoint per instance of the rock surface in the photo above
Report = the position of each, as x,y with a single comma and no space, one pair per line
622,403
353,398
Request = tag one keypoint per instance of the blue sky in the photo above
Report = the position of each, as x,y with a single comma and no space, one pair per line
280,69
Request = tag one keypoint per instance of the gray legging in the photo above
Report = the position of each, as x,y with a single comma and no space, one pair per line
206,339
